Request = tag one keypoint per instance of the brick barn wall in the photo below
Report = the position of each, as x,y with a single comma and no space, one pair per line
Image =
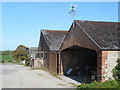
104,65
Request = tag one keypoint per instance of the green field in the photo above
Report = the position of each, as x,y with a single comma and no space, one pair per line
6,58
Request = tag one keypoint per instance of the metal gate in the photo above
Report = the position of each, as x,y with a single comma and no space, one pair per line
53,62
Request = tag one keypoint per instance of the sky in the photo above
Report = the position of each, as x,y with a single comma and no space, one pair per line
23,21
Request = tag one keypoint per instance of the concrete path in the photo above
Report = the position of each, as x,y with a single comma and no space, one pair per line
18,76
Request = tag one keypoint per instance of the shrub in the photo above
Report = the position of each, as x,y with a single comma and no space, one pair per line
21,53
2,61
106,84
116,71
9,60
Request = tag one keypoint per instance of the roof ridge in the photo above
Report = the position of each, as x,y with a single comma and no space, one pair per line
97,21
55,30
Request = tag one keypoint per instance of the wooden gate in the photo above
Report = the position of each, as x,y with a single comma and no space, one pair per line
53,62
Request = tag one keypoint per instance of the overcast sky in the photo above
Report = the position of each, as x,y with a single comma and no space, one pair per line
22,21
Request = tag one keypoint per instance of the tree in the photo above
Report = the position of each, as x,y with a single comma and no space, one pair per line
28,59
21,47
21,53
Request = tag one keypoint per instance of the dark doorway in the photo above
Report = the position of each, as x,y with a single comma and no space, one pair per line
80,64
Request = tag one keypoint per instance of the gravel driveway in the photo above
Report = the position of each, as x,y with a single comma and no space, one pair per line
18,76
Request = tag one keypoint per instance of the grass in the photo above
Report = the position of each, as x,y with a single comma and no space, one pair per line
36,69
61,84
54,74
6,58
73,85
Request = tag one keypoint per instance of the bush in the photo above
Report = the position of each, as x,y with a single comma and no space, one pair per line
2,61
106,84
116,71
9,60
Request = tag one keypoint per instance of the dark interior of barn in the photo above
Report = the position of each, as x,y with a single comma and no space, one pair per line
80,64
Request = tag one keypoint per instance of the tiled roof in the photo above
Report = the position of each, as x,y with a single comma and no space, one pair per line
104,34
54,38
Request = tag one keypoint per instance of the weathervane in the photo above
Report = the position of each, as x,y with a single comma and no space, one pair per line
72,12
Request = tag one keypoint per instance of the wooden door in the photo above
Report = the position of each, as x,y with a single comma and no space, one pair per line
53,62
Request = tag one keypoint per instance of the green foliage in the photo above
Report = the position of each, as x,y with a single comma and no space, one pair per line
116,70
21,54
21,47
106,84
28,59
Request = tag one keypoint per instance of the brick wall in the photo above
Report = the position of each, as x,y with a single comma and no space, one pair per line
104,65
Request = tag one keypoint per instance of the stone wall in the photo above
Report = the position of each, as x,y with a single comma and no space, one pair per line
112,58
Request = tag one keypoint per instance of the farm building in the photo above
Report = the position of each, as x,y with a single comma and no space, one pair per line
49,45
90,50
32,51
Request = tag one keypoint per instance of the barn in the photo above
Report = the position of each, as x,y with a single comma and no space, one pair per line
90,50
49,45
